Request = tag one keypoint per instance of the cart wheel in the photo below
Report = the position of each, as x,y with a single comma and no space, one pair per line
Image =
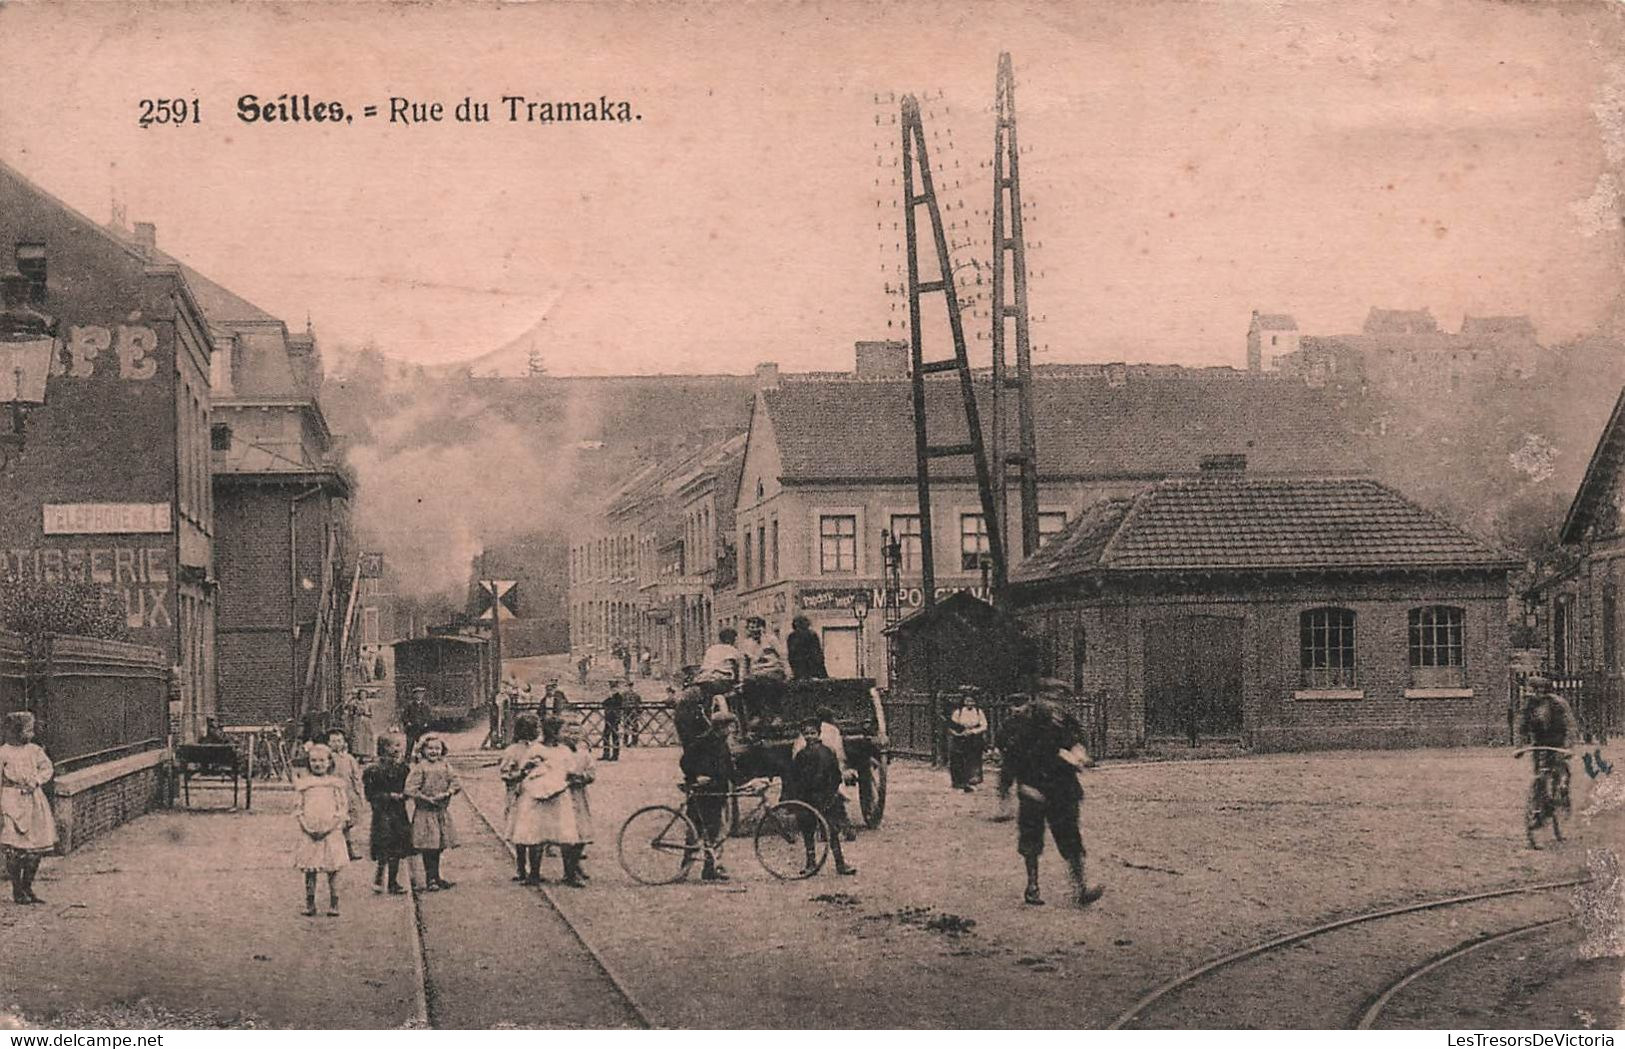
781,846
872,791
657,845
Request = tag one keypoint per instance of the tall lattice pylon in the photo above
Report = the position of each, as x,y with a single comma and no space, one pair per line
917,167
1010,282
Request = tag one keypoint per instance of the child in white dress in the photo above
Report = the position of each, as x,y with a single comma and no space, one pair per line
27,824
324,812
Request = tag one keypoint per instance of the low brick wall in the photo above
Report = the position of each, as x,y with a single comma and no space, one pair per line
93,801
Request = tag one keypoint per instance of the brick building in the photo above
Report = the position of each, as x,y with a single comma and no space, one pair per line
654,569
1279,613
829,465
289,580
110,484
1577,611
105,483
1400,353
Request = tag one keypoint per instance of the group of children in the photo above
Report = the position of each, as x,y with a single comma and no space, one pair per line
330,796
547,798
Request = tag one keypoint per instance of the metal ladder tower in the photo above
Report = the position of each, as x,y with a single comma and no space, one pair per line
1010,280
914,155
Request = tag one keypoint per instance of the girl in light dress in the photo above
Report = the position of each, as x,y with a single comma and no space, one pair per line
324,812
551,806
431,784
27,824
517,762
348,769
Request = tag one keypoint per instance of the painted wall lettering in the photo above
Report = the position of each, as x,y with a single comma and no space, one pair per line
136,347
140,574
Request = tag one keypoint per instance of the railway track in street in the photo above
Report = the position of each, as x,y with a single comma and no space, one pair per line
1323,976
490,954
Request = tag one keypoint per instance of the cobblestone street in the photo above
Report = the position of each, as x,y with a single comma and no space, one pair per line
1194,855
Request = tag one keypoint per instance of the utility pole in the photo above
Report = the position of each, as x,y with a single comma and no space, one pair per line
1010,281
489,584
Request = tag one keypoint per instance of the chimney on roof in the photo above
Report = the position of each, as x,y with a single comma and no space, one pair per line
767,375
884,359
31,264
1229,465
146,239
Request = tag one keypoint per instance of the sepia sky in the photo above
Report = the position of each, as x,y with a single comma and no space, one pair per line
1187,163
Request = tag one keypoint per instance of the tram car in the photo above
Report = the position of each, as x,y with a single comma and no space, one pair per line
458,670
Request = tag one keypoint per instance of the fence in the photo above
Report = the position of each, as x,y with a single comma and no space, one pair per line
917,728
644,725
95,700
1594,696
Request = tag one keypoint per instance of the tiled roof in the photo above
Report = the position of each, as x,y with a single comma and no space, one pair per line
1086,428
1601,473
1246,523
219,305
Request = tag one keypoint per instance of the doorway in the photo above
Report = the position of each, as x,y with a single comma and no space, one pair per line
841,651
1193,680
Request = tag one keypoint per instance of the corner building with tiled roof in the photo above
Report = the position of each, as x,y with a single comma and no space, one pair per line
1274,613
829,465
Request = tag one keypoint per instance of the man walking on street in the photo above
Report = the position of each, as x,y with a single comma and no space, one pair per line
416,717
1043,752
613,704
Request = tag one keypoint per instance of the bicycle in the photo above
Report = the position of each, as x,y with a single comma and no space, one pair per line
658,844
1548,791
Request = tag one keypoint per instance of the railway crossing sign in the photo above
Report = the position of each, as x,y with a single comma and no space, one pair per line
499,594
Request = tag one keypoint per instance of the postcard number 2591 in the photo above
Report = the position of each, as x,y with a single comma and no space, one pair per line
169,111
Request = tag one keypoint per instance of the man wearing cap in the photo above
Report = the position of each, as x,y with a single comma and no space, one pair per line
1043,752
708,774
416,717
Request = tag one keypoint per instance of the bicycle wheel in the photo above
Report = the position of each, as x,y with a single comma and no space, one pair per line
792,840
657,845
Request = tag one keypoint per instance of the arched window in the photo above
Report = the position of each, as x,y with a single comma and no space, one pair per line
1437,655
1326,648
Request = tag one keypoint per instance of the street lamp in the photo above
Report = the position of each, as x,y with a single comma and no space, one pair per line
860,612
27,340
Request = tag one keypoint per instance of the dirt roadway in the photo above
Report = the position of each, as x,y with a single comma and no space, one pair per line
1199,858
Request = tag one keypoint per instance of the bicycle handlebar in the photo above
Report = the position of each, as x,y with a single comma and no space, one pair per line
1555,750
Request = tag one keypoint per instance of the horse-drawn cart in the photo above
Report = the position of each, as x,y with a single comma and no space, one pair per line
766,750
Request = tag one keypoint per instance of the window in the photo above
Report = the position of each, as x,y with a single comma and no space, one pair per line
775,526
905,529
1436,650
1610,628
972,542
761,553
1436,653
369,626
838,543
744,557
1326,646
1050,522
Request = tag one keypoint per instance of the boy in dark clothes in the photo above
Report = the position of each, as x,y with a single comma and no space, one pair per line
815,778
1037,739
384,783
